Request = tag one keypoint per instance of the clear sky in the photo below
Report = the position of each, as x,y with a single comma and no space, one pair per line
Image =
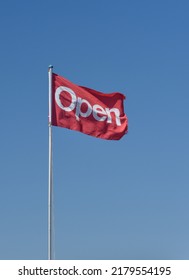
126,199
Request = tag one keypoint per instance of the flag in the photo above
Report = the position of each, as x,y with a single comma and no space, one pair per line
87,110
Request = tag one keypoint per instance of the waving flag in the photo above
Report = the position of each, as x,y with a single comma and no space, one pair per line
87,110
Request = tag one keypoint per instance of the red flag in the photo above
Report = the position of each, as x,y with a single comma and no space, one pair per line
87,110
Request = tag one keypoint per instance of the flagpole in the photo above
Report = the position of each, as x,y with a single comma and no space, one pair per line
50,181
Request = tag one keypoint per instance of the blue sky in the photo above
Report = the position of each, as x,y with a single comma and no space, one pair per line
124,199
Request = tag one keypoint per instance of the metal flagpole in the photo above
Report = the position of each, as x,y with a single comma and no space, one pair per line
50,181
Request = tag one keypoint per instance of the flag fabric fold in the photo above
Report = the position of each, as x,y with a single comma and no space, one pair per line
87,110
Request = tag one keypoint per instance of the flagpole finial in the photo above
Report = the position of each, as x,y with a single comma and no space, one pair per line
50,66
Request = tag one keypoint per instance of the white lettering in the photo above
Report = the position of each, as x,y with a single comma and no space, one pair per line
97,109
99,113
117,115
78,113
73,96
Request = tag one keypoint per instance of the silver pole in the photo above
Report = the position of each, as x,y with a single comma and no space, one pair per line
50,182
